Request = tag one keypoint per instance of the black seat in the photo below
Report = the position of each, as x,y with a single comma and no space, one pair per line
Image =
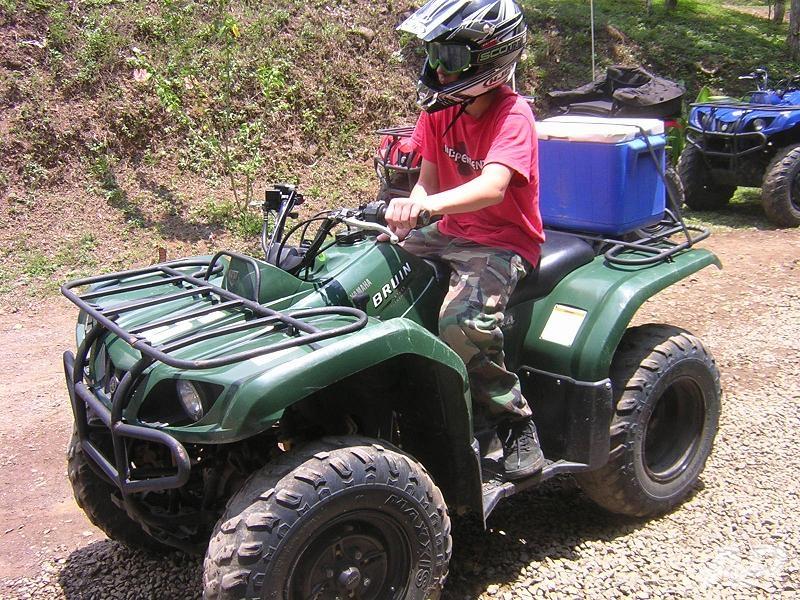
600,108
561,254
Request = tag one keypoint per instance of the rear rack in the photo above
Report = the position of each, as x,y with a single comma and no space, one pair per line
88,406
401,131
653,241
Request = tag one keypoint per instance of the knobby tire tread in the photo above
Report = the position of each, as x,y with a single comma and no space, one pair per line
700,193
777,187
644,353
260,506
95,497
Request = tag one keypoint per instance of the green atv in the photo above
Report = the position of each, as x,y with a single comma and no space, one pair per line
297,418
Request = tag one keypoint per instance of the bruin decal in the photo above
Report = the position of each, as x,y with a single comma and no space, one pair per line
388,288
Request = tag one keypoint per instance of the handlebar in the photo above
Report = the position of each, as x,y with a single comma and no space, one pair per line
280,202
760,76
374,219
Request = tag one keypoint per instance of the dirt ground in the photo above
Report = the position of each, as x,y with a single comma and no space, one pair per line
765,12
41,522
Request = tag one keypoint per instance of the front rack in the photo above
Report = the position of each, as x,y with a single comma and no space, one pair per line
198,285
86,404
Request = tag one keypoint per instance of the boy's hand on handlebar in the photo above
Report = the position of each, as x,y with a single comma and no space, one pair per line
402,216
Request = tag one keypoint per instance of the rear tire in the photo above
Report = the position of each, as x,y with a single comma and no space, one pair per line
701,193
676,196
780,192
341,517
667,393
99,499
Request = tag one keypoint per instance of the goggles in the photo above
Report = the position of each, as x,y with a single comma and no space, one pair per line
453,58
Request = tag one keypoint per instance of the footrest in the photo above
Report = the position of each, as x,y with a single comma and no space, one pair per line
495,486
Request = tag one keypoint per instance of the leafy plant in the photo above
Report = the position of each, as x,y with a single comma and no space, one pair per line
204,101
226,214
98,52
57,31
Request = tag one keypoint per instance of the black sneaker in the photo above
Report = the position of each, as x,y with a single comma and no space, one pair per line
521,453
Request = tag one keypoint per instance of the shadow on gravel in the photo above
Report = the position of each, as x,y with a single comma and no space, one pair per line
107,569
549,522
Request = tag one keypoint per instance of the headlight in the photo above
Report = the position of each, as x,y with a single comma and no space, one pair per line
178,402
190,398
761,123
706,120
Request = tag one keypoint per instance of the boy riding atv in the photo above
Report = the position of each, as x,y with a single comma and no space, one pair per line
479,169
296,417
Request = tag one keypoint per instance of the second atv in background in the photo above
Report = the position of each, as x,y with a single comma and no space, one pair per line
753,142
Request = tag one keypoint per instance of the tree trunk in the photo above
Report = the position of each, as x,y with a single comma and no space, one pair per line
670,4
793,40
780,11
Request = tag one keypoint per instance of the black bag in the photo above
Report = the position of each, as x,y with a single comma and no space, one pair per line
622,92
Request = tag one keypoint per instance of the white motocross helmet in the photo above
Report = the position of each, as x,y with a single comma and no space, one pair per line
481,40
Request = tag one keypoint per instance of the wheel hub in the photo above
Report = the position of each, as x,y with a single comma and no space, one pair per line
673,432
349,579
354,558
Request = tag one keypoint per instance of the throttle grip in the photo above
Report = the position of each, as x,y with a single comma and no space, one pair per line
375,212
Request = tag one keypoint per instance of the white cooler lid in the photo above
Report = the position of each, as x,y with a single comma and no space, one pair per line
603,130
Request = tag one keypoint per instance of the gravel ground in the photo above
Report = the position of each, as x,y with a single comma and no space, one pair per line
737,536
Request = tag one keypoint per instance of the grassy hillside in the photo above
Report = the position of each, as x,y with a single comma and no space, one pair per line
131,125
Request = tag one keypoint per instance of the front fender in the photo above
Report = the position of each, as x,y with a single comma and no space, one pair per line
575,330
254,402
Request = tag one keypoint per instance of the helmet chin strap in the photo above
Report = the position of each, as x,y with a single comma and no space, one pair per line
463,107
461,110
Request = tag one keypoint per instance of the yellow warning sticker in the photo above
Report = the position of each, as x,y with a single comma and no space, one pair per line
563,324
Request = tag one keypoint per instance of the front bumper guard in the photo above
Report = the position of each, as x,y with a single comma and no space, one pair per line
119,473
174,284
741,144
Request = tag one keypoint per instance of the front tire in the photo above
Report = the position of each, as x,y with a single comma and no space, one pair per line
342,517
780,192
98,498
667,393
700,191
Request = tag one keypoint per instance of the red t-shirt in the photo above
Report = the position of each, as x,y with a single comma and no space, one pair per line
504,134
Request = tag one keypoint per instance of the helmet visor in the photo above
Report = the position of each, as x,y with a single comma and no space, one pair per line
453,58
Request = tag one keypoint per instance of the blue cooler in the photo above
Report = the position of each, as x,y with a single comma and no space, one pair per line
597,174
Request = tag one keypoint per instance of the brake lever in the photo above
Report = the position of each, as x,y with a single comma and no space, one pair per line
365,225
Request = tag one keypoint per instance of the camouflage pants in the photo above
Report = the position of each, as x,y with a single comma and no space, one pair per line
481,281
